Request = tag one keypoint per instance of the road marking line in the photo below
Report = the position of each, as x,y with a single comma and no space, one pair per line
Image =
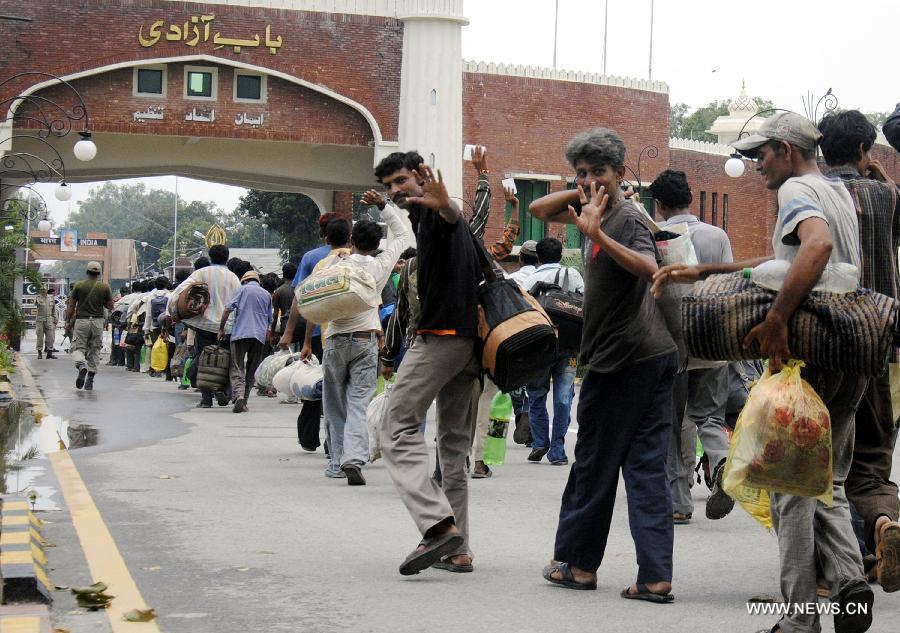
103,557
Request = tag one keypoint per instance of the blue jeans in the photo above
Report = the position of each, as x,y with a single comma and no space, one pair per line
563,374
350,366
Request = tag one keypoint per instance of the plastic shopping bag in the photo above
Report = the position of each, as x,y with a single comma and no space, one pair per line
375,417
159,354
782,443
185,380
675,250
271,365
304,379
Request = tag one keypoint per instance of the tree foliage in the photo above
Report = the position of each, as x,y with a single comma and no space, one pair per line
292,216
132,211
13,239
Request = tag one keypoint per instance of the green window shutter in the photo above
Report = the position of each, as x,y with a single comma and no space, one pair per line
530,228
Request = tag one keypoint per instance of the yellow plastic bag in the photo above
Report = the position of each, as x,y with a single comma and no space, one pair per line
159,354
782,443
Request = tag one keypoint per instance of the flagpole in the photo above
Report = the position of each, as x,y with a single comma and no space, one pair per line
605,22
555,32
650,67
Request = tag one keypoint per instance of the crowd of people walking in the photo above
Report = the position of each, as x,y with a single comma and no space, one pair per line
642,402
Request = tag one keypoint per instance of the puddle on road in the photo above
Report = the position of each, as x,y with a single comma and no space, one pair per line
26,437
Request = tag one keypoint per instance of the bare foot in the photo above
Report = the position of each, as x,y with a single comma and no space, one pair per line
580,575
460,559
662,588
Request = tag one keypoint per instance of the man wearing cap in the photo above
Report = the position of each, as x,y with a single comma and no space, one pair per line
84,318
45,321
529,262
252,307
816,225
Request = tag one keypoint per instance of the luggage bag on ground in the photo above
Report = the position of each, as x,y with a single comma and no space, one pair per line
213,368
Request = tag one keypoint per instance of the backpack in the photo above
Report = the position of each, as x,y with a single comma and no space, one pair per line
565,309
518,339
158,307
339,291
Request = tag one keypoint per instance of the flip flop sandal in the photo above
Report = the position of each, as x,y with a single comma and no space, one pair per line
887,569
436,548
566,579
449,565
643,593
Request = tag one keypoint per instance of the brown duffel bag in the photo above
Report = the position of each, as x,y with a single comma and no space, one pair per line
850,333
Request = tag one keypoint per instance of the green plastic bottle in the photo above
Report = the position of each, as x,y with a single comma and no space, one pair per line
495,442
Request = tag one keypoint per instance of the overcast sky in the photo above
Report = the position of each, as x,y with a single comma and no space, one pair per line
702,49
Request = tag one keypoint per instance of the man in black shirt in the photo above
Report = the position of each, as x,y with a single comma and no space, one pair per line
625,404
442,363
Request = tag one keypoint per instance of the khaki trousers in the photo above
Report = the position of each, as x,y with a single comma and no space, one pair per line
45,330
445,368
88,342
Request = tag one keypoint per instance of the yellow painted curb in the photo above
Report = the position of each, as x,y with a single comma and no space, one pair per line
103,557
23,562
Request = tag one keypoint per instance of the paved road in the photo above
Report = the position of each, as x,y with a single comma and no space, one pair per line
245,533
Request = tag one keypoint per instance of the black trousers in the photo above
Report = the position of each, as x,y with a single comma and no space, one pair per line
624,423
310,419
869,486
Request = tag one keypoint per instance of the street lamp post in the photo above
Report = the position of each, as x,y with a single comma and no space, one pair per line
264,227
35,159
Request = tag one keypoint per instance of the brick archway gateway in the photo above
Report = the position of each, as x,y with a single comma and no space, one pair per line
284,160
345,83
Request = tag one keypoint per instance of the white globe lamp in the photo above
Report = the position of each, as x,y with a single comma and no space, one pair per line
734,166
44,225
85,149
63,192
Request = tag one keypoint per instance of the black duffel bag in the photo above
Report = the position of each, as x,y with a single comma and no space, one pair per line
135,339
518,339
565,309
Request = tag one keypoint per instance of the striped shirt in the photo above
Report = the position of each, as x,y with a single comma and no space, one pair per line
878,213
222,284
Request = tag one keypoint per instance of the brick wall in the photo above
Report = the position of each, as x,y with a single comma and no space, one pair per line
751,207
354,55
292,112
526,123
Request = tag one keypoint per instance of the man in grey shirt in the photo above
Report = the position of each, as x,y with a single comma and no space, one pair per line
700,395
816,225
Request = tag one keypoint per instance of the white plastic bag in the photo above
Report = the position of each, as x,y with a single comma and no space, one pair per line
282,379
375,418
271,365
678,250
305,377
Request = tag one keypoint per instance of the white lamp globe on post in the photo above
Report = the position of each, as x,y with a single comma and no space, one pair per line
63,192
44,225
734,166
85,149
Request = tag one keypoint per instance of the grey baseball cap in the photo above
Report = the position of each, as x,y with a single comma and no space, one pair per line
528,248
790,127
93,267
